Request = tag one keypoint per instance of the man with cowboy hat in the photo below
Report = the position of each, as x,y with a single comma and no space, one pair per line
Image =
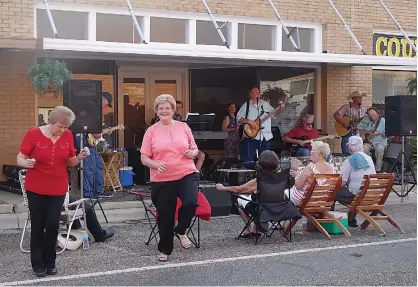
353,110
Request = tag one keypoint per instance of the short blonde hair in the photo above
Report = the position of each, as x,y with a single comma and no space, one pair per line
164,98
61,114
321,148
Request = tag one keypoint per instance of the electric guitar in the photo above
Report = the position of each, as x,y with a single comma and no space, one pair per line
253,132
341,130
92,141
295,147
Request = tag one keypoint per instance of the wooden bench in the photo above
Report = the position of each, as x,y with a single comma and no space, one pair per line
370,201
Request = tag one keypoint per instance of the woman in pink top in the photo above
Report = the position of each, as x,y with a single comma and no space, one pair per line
168,149
318,165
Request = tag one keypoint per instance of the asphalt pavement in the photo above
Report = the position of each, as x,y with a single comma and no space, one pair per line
310,259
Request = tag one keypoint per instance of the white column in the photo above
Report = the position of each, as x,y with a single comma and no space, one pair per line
318,99
278,38
145,24
191,32
233,35
91,31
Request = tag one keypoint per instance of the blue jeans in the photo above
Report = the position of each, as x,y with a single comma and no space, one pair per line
248,147
303,151
344,141
92,169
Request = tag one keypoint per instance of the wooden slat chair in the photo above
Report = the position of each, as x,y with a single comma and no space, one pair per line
319,200
370,201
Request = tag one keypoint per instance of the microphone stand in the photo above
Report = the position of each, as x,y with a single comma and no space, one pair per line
82,185
258,111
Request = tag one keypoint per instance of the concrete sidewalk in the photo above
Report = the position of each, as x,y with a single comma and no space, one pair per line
121,209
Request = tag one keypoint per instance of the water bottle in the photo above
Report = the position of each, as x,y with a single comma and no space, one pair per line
85,241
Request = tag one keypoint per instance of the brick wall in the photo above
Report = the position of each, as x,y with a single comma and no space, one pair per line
16,18
337,84
17,103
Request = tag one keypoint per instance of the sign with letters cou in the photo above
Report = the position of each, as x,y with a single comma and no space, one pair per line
393,45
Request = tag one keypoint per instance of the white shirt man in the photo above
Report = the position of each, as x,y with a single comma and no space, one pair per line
257,107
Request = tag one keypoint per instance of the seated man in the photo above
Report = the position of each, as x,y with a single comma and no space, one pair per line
305,131
353,169
268,161
93,225
372,128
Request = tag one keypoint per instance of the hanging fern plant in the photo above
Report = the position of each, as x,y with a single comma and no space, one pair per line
49,76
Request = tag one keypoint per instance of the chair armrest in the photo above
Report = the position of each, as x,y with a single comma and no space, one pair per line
243,198
140,193
77,202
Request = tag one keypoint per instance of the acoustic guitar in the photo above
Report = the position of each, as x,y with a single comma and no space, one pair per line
368,135
341,130
305,141
253,132
92,141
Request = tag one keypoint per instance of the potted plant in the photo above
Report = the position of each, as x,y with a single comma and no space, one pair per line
49,76
412,86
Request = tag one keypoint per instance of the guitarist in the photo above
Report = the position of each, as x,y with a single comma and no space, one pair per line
372,128
297,135
93,167
248,114
353,109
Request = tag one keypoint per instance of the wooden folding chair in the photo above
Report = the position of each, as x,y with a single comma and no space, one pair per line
370,201
319,200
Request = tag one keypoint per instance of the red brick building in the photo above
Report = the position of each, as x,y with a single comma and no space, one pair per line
99,41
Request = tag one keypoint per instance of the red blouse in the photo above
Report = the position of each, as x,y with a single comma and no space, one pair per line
49,175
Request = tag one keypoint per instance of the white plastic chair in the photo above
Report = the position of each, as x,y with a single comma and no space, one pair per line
69,215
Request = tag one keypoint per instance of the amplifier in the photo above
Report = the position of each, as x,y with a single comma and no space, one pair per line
220,201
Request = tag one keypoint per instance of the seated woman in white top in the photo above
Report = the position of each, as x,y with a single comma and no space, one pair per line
318,165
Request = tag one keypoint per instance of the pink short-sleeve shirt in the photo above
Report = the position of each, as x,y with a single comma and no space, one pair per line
168,146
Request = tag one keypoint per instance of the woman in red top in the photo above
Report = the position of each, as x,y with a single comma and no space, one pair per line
168,149
46,152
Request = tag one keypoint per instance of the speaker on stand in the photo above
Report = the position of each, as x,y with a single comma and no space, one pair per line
400,115
84,98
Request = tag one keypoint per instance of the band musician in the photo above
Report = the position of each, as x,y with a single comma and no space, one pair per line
354,111
372,130
303,132
248,114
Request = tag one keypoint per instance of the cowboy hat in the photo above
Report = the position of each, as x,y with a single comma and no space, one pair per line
356,94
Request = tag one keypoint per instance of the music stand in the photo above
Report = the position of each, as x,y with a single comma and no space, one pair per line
200,122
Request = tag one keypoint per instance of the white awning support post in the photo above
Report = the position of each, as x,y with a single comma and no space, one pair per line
138,28
346,27
399,26
215,24
50,19
288,34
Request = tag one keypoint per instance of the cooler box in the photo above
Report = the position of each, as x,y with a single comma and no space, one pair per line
126,176
333,228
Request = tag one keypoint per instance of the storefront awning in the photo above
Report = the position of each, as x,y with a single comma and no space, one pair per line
209,53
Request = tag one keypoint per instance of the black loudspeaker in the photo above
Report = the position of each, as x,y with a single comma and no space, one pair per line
401,115
220,201
84,98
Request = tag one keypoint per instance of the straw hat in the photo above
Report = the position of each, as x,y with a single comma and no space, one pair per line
356,94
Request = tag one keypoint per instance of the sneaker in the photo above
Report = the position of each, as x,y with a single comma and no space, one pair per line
104,194
352,223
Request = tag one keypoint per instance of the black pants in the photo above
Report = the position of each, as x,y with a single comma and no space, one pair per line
93,224
164,196
345,196
45,213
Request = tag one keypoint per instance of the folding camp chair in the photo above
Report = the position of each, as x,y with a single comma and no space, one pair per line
370,201
68,216
319,199
203,211
272,208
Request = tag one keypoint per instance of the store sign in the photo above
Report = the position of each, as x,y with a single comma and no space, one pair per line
393,45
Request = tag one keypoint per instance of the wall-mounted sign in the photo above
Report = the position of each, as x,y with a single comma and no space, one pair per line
393,45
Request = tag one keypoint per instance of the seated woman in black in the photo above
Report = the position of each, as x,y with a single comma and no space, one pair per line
268,161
